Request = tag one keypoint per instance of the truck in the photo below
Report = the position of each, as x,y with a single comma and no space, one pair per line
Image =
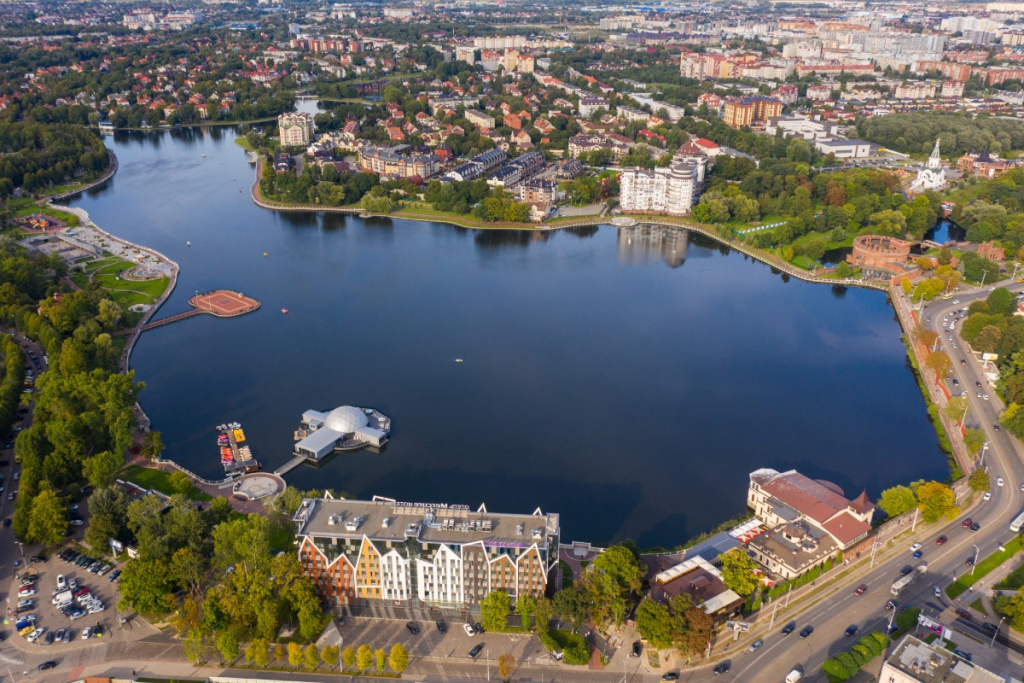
910,578
794,676
62,598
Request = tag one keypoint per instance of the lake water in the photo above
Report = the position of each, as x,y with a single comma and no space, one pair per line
631,388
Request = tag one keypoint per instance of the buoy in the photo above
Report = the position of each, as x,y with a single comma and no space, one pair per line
188,244
284,310
265,254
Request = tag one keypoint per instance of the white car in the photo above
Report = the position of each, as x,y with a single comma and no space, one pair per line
62,583
914,548
36,635
999,481
469,630
86,633
987,496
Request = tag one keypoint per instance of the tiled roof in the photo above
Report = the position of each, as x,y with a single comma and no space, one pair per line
805,495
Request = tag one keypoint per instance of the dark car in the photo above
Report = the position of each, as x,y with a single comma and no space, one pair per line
861,589
7,522
940,540
967,523
963,655
478,628
850,630
975,526
789,628
37,558
964,614
475,651
808,630
970,561
47,665
722,668
673,676
990,627
918,554
48,638
906,570
441,626
891,605
636,649
413,627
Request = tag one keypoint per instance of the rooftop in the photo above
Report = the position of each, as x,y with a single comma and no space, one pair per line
927,664
389,520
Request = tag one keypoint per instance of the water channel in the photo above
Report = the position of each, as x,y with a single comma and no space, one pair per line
629,382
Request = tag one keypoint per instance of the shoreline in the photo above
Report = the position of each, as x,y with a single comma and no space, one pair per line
583,221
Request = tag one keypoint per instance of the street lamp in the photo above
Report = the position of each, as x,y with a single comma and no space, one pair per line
973,564
981,462
996,632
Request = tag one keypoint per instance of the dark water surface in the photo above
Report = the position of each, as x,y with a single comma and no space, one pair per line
599,382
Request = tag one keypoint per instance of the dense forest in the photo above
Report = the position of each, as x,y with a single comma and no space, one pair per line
35,156
997,212
959,133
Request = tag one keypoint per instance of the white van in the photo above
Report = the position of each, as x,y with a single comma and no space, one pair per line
794,676
63,598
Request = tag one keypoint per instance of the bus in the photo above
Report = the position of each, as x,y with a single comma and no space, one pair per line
910,578
1017,524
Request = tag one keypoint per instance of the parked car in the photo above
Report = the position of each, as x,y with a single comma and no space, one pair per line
413,627
670,676
476,650
441,626
47,665
469,630
637,647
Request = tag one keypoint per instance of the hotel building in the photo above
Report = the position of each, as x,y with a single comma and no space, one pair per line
357,551
295,129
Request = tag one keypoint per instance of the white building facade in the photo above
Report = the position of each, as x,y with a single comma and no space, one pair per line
671,190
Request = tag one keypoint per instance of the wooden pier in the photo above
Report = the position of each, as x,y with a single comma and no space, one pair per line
222,303
290,465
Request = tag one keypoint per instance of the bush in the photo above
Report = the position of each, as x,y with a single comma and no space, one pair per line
574,647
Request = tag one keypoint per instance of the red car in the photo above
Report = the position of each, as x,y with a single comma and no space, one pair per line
967,523
940,540
861,589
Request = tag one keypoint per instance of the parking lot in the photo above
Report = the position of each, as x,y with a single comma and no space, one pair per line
48,617
456,644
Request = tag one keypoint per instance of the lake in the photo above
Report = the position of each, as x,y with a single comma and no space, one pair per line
628,381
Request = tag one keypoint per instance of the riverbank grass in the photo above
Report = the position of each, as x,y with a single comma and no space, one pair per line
158,480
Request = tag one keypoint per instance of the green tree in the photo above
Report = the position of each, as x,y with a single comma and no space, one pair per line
654,623
897,500
364,657
195,646
279,653
1001,302
398,658
974,439
179,482
102,468
46,521
348,657
152,445
145,586
330,655
525,608
573,605
295,654
956,408
621,576
980,480
738,571
257,653
380,658
543,612
936,501
312,657
227,646
495,610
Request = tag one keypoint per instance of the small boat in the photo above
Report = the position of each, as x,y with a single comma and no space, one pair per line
203,156
265,254
188,244
284,310
458,360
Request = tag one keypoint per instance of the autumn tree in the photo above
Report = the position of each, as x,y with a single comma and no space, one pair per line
398,658
506,666
348,657
364,657
939,363
312,657
936,501
897,501
329,656
295,654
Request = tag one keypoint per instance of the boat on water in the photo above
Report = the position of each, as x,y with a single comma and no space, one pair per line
265,254
202,156
284,310
458,360
188,244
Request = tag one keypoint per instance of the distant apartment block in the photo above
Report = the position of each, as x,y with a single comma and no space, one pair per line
479,119
951,70
819,92
827,69
746,111
589,105
295,129
915,91
381,551
669,190
398,162
953,89
800,126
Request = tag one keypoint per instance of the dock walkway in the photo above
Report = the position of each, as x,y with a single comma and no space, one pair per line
290,465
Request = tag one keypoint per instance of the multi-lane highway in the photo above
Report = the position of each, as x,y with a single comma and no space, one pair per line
831,615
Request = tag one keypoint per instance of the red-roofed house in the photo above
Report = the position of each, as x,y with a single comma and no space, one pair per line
808,520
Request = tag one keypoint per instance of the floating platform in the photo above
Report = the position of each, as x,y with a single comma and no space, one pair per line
234,456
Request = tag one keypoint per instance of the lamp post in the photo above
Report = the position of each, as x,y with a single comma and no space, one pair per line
973,564
996,633
981,461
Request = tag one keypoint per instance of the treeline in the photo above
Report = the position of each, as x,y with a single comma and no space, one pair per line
36,156
12,383
993,327
325,186
915,132
997,212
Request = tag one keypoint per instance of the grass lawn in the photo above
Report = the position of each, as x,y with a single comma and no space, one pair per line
69,218
158,480
243,142
983,568
150,288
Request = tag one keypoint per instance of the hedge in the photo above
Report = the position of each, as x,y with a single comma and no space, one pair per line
846,665
804,579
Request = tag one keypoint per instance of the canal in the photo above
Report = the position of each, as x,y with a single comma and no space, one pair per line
630,382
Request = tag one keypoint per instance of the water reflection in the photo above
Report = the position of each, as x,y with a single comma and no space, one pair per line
642,245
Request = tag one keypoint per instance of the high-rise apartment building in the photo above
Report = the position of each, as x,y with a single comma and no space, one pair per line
295,129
